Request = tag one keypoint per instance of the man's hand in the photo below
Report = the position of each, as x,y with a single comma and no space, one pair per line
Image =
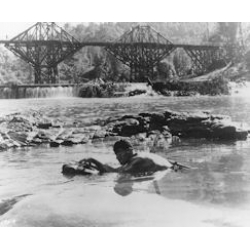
91,163
88,163
176,167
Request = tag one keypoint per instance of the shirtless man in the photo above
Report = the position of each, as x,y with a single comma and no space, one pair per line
130,162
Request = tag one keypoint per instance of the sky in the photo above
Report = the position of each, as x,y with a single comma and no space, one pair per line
9,30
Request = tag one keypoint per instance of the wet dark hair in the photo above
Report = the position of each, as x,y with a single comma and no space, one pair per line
122,144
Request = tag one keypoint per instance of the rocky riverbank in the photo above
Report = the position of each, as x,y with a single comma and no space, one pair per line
31,129
224,81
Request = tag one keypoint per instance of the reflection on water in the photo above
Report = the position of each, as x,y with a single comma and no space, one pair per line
124,188
221,175
215,193
125,184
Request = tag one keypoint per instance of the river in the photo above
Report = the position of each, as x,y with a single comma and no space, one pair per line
33,192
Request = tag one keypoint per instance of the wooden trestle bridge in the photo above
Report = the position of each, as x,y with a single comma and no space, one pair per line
45,45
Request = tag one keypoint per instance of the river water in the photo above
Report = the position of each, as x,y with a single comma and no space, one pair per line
33,192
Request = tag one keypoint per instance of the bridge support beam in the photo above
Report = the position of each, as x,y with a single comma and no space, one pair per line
46,75
38,75
141,58
44,46
205,60
140,73
141,49
52,75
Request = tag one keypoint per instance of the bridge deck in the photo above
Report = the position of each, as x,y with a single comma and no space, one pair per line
104,44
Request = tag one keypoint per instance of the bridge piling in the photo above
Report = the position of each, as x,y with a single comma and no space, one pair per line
45,45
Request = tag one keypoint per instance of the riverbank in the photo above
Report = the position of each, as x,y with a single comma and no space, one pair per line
226,81
218,82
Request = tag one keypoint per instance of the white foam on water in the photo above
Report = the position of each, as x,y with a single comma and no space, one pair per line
141,86
240,89
53,92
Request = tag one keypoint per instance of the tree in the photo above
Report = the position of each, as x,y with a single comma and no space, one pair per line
13,69
181,62
165,70
227,35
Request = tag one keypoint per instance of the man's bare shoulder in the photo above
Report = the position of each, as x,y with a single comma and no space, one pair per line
142,162
157,159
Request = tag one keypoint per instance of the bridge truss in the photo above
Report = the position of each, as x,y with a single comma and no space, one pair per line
205,57
45,45
141,49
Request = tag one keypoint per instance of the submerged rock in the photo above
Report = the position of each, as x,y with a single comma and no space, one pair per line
183,125
155,129
55,144
137,92
67,143
228,131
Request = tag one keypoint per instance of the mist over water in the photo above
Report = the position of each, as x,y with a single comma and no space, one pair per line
33,192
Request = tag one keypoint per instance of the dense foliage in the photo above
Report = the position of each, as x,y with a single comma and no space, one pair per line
216,85
12,69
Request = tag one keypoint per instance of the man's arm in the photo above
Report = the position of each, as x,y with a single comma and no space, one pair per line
98,165
143,164
138,164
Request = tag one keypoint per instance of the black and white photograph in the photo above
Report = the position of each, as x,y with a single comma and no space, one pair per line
124,124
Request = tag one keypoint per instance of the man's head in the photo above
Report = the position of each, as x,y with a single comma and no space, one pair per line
124,151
